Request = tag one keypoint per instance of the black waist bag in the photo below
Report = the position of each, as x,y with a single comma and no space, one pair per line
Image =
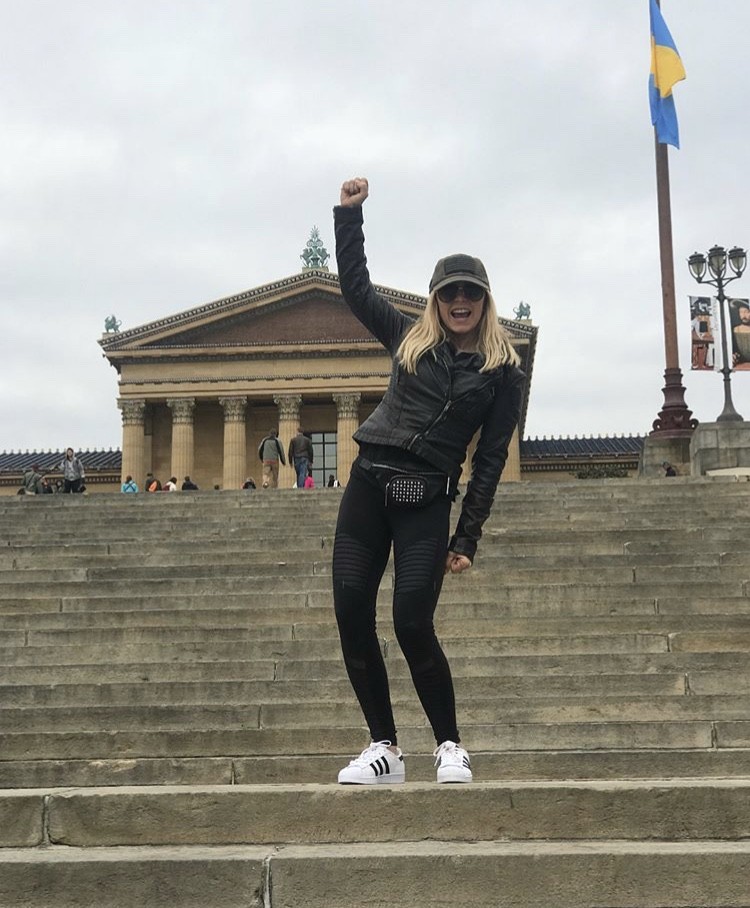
404,489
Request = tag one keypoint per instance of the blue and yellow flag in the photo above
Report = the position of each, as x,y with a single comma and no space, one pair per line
666,70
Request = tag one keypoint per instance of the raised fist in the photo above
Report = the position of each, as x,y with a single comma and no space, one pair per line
354,192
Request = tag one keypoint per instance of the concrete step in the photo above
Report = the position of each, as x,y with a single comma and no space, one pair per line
675,525
673,537
637,505
205,586
173,628
562,874
256,714
314,650
626,810
61,877
319,583
323,768
251,554
187,612
516,688
296,612
526,689
510,494
226,609
163,669
220,742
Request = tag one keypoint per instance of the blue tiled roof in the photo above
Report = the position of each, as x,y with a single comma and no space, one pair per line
18,461
607,446
531,449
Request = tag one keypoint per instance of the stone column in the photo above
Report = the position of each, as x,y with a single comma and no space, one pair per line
133,447
182,436
289,412
347,423
235,444
512,471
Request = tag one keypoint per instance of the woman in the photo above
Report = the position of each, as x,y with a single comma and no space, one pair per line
130,486
73,473
454,372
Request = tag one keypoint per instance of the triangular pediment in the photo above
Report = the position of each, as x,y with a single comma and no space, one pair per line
301,319
305,309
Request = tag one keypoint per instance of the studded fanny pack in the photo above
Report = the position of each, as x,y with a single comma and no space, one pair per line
404,489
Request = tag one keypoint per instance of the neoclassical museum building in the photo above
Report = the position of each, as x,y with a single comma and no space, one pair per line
200,389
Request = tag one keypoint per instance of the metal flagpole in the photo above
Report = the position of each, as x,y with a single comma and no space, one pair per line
674,419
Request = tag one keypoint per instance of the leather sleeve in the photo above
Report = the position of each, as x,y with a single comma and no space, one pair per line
375,312
488,462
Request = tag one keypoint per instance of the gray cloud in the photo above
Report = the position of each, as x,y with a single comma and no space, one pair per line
157,156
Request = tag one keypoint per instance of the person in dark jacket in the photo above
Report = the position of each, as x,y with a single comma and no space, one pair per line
301,456
270,453
454,373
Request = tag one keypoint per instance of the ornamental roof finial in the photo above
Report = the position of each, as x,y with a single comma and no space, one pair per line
314,255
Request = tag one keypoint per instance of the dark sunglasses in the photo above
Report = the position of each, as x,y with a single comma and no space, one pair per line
471,292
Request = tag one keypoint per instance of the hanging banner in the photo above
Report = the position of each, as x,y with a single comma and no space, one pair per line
704,329
739,322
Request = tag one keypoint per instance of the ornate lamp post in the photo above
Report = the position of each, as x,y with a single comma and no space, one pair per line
716,261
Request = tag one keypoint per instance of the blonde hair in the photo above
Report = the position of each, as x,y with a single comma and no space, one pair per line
428,332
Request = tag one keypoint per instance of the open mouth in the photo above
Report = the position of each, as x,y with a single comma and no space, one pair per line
460,313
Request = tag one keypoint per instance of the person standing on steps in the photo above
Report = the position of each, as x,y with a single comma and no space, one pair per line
130,486
301,457
73,472
270,453
33,479
152,484
454,372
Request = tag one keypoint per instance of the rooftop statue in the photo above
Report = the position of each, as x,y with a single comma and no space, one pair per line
314,255
111,324
522,311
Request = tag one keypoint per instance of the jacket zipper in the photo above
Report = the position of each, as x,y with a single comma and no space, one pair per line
446,406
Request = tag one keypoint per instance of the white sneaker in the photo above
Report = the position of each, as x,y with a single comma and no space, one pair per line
376,765
453,763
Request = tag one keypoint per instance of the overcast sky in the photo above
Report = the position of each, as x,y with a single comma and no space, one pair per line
159,155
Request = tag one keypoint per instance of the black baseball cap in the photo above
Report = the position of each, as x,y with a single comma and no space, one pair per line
459,267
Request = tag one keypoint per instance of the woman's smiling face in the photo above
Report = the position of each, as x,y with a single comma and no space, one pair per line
461,305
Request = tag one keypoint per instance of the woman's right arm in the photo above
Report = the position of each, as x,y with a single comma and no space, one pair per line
375,313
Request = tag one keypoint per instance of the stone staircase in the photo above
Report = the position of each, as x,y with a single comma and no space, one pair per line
174,709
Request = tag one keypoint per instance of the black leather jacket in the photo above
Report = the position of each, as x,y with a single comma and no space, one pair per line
434,413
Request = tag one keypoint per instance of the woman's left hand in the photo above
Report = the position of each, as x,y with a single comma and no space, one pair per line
454,563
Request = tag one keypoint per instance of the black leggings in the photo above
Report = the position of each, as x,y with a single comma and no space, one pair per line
364,533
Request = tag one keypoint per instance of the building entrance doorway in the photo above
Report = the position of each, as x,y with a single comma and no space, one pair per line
324,457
